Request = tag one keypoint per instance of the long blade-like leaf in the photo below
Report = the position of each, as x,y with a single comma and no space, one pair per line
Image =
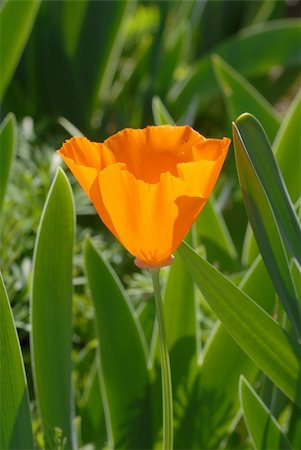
16,20
215,402
181,329
51,310
258,150
123,370
213,232
7,146
15,423
287,149
241,52
267,206
241,96
263,428
271,348
103,33
160,113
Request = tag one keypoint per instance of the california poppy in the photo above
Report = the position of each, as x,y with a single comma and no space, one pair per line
148,185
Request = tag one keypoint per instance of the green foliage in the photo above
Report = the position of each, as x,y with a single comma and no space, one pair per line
274,351
117,329
286,149
240,96
51,310
14,16
231,301
269,209
241,51
15,428
7,146
263,428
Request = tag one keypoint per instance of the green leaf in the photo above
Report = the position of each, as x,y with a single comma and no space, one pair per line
179,302
263,428
213,232
287,149
103,33
250,249
51,310
294,431
296,275
160,113
272,349
16,21
71,29
241,52
268,208
123,372
7,147
264,166
173,47
214,402
93,427
15,422
240,96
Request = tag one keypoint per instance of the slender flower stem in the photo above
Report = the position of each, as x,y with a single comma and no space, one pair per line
165,366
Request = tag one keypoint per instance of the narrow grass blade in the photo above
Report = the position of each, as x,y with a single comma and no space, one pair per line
7,147
213,232
123,370
15,422
263,428
181,330
215,401
160,113
287,149
238,51
103,33
71,29
268,208
241,96
93,427
294,431
271,348
51,310
258,151
16,21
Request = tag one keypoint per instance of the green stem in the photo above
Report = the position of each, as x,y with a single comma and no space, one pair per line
165,366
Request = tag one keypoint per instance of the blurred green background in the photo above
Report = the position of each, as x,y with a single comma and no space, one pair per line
95,67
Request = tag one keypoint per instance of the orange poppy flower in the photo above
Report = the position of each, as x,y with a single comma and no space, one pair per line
148,185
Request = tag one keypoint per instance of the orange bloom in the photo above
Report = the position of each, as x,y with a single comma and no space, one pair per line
148,185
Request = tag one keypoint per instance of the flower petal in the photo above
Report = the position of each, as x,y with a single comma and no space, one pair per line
210,149
150,220
154,150
202,174
82,152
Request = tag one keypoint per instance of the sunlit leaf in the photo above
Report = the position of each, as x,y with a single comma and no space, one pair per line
51,310
287,149
213,401
271,348
123,373
161,115
240,96
15,422
263,428
241,52
269,209
212,231
103,33
7,146
16,21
